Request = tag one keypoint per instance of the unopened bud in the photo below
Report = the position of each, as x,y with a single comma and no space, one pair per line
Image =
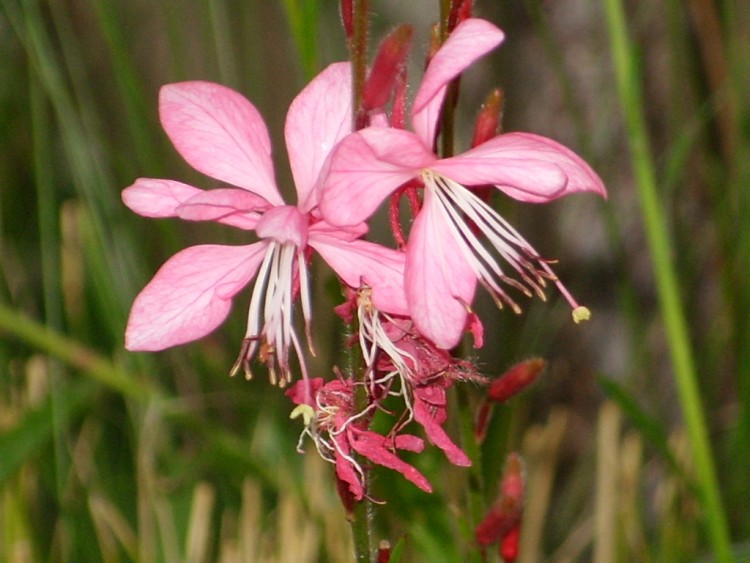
460,11
488,124
347,18
386,68
384,551
515,379
509,545
504,517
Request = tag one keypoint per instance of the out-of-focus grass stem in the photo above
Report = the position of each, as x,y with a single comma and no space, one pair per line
660,248
70,352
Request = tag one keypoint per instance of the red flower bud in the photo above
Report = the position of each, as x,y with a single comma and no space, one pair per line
384,552
509,545
347,18
488,122
515,379
503,520
387,66
459,11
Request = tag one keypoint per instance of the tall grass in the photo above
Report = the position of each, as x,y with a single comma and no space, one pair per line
635,440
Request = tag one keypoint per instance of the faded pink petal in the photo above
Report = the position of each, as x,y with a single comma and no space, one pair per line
471,39
436,434
319,117
344,469
365,168
527,167
372,446
230,206
438,280
409,443
152,197
301,391
221,134
190,295
361,262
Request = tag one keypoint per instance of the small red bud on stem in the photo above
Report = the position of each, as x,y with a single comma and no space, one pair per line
489,120
388,63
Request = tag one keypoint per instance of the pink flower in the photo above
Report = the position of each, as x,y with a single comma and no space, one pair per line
221,134
338,432
445,259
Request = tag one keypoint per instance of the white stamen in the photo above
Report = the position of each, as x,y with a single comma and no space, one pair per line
457,204
270,324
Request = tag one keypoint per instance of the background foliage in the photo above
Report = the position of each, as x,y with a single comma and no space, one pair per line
111,456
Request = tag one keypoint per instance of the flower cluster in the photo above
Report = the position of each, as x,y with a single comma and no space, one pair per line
411,304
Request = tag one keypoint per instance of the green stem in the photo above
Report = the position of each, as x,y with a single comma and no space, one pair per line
660,249
361,517
358,54
448,112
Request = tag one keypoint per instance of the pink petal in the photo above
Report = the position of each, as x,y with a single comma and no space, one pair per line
365,168
300,392
361,262
437,435
371,445
344,233
220,133
344,469
471,39
284,224
526,167
319,117
230,206
409,443
190,295
152,197
439,282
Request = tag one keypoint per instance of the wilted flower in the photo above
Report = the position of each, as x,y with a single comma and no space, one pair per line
339,432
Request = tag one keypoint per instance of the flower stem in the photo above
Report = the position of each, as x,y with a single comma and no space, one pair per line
361,516
358,54
448,111
628,86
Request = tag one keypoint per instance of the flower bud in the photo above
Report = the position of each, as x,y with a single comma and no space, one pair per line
488,124
347,19
387,66
502,523
516,379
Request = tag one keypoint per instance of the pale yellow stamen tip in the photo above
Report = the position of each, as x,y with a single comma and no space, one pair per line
305,411
581,314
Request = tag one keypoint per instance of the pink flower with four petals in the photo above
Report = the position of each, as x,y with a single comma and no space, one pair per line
445,259
221,134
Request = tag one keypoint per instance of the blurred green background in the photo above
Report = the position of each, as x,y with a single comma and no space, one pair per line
113,456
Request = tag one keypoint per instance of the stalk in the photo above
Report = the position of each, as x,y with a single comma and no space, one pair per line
660,249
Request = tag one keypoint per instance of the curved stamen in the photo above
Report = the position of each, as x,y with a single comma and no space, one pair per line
456,203
270,327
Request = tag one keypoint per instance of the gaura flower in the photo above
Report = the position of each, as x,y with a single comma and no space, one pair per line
444,257
338,431
221,134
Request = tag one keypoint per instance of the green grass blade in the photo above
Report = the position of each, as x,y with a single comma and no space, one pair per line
303,23
628,85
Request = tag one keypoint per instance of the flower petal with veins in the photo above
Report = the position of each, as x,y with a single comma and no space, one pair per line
221,134
190,295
